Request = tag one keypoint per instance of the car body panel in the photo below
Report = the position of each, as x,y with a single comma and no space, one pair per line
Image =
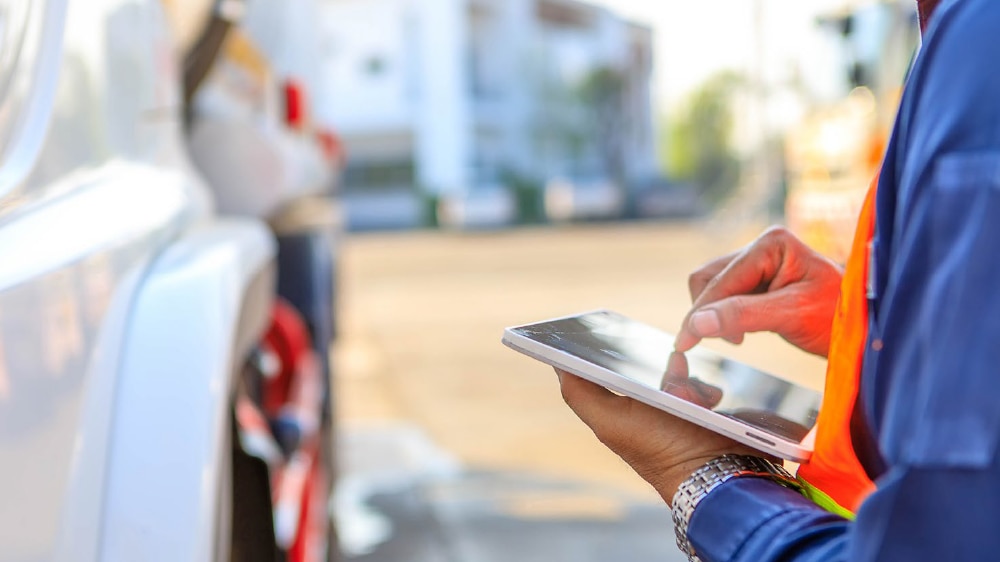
173,402
60,332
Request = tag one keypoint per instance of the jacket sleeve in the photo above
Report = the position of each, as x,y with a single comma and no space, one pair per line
918,513
758,520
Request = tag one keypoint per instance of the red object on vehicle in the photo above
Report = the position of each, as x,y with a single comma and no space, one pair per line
310,543
296,104
285,431
332,147
288,338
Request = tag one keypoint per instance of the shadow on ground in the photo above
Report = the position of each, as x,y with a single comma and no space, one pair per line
427,509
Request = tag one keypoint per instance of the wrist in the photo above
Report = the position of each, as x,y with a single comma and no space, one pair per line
710,476
668,481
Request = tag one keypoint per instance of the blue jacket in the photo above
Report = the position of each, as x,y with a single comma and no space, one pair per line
930,383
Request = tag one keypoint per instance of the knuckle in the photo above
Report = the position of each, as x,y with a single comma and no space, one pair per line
739,312
776,234
698,279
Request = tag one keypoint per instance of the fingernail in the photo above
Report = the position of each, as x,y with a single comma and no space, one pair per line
706,323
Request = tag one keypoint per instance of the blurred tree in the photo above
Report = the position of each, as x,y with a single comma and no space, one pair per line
528,196
603,93
559,141
699,146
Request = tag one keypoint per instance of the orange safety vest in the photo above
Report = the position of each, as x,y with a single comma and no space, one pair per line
834,477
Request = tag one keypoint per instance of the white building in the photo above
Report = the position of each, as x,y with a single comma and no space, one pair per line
459,96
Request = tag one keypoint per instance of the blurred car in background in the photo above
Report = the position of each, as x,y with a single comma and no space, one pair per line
157,402
481,208
583,199
660,198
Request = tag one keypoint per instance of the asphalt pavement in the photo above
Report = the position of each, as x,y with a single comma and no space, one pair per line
402,500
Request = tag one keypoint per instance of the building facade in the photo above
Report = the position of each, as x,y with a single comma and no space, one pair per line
453,97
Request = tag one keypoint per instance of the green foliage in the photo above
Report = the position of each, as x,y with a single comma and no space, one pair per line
429,202
699,146
602,93
528,194
602,86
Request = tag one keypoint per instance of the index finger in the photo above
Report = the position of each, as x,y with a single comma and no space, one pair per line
702,276
754,267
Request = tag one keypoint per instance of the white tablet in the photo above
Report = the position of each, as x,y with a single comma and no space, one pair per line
630,358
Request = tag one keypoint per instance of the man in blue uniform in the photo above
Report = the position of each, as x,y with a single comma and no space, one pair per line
929,398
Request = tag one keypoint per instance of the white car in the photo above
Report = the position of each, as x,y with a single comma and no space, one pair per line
129,310
567,200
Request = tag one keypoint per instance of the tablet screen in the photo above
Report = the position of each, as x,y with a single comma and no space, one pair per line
641,353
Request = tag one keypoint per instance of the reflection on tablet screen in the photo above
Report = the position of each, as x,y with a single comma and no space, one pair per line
641,353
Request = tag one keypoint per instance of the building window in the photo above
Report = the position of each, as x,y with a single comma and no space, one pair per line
562,14
374,175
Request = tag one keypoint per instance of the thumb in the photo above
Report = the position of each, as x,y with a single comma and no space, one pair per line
733,317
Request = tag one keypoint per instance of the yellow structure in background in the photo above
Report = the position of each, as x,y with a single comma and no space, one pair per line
832,156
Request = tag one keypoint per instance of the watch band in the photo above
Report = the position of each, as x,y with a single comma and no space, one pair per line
712,475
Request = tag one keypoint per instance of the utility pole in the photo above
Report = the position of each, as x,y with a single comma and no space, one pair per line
761,183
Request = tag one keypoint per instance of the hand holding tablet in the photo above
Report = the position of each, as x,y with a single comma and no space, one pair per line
704,388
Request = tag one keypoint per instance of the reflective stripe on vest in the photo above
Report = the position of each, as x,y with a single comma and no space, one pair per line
834,476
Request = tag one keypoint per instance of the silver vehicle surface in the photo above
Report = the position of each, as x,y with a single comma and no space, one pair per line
125,304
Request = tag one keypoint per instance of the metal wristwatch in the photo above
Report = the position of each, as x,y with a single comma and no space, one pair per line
712,475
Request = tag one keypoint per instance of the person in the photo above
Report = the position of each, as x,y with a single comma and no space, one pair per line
912,328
